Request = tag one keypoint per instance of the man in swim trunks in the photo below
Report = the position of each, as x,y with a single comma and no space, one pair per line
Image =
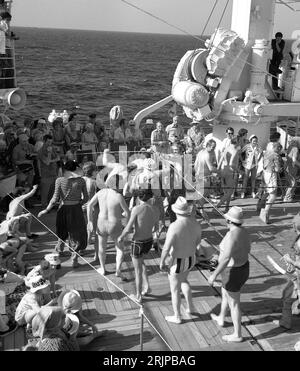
144,217
182,239
234,268
111,206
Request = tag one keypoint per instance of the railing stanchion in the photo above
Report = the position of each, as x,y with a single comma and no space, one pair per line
142,328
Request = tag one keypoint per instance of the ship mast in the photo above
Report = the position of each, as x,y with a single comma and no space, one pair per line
253,20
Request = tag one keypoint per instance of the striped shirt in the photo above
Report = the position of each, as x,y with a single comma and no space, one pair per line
70,189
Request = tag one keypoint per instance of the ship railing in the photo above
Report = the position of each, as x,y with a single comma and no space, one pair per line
143,316
7,66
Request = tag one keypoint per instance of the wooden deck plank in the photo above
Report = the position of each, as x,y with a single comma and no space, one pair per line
110,309
158,320
19,338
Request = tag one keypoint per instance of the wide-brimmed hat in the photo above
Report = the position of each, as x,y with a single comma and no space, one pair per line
149,121
70,301
235,215
53,259
71,325
252,136
36,283
42,121
182,207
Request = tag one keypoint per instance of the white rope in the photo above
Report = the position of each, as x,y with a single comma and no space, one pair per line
107,279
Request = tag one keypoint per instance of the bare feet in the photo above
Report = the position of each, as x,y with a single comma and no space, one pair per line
173,319
146,291
216,318
191,310
278,323
136,298
120,275
101,271
232,338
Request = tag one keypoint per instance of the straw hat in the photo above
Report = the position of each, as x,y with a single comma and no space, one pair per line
36,283
252,136
53,259
181,207
149,122
235,215
70,301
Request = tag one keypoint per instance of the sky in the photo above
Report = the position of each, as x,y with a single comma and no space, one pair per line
115,15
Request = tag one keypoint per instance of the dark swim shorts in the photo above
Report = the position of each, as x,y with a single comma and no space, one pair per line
140,248
234,278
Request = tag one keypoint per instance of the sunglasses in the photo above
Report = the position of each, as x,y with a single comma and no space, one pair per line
230,132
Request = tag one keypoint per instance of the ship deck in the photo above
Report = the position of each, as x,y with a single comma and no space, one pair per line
113,311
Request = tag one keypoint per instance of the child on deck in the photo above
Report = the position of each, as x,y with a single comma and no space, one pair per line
71,303
37,296
45,270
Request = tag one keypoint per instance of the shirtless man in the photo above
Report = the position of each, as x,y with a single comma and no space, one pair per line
144,217
182,239
228,166
205,166
17,208
111,206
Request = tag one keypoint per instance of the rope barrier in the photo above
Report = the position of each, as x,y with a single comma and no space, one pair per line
96,270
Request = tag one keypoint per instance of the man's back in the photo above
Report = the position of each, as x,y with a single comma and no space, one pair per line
146,218
110,205
186,236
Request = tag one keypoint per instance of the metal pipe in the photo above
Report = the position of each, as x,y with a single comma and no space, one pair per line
142,328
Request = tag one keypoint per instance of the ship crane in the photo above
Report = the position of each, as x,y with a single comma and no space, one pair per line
227,84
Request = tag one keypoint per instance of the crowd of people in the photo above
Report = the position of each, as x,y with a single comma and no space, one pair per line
77,166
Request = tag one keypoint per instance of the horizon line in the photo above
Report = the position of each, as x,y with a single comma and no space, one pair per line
94,30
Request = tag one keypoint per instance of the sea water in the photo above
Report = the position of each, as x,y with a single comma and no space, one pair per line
96,70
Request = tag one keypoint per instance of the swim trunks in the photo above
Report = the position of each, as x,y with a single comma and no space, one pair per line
140,248
182,265
234,278
112,229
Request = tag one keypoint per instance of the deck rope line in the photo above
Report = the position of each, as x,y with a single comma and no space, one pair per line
107,279
209,17
199,38
204,28
151,324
